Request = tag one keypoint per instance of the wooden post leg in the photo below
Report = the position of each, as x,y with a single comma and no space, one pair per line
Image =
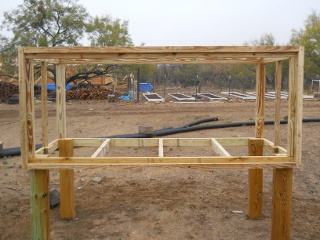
281,204
40,204
67,207
255,181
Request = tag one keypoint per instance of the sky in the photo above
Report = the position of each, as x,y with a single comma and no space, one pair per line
200,22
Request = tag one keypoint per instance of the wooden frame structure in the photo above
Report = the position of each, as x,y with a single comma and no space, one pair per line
282,160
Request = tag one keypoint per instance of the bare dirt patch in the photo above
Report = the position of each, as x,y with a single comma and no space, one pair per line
159,203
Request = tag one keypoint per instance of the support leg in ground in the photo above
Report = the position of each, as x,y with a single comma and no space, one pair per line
281,204
255,182
40,204
67,207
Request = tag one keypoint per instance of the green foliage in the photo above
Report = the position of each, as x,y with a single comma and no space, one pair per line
53,23
309,37
46,23
104,31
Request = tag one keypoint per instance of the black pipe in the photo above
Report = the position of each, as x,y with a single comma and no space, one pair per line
16,151
197,122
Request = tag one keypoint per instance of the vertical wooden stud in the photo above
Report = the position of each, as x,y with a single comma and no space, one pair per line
291,107
67,207
23,107
256,175
281,204
255,147
26,100
44,110
299,105
61,100
277,103
40,204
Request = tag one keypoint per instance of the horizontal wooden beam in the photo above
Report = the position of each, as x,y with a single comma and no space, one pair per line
117,160
217,148
276,149
102,150
156,55
236,165
164,49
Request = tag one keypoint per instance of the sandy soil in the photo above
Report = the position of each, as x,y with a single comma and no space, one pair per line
157,203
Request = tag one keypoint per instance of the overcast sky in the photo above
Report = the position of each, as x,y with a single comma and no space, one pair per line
201,22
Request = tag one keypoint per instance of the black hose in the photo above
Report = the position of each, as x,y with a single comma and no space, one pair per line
168,131
197,122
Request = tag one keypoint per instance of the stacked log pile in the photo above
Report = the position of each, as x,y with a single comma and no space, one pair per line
7,90
88,94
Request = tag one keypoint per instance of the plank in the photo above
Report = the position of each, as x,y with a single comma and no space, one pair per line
255,200
217,148
277,103
299,106
67,207
102,150
112,160
216,165
153,55
291,107
23,107
281,50
134,142
161,148
229,142
44,107
281,204
255,176
87,142
187,142
40,204
61,100
271,146
260,101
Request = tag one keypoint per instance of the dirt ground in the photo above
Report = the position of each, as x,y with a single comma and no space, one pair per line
159,203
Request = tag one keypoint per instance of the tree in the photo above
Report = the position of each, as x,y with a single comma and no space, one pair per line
265,40
309,37
104,31
47,23
53,23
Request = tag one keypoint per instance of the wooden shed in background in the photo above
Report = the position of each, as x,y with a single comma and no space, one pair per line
282,160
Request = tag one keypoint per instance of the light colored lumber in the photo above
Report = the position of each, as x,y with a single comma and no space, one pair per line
235,50
271,146
40,204
291,108
255,177
67,207
186,142
299,106
217,148
260,101
134,142
111,160
26,102
255,200
102,150
87,142
23,107
281,204
44,107
277,103
232,142
156,55
217,165
61,100
161,147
